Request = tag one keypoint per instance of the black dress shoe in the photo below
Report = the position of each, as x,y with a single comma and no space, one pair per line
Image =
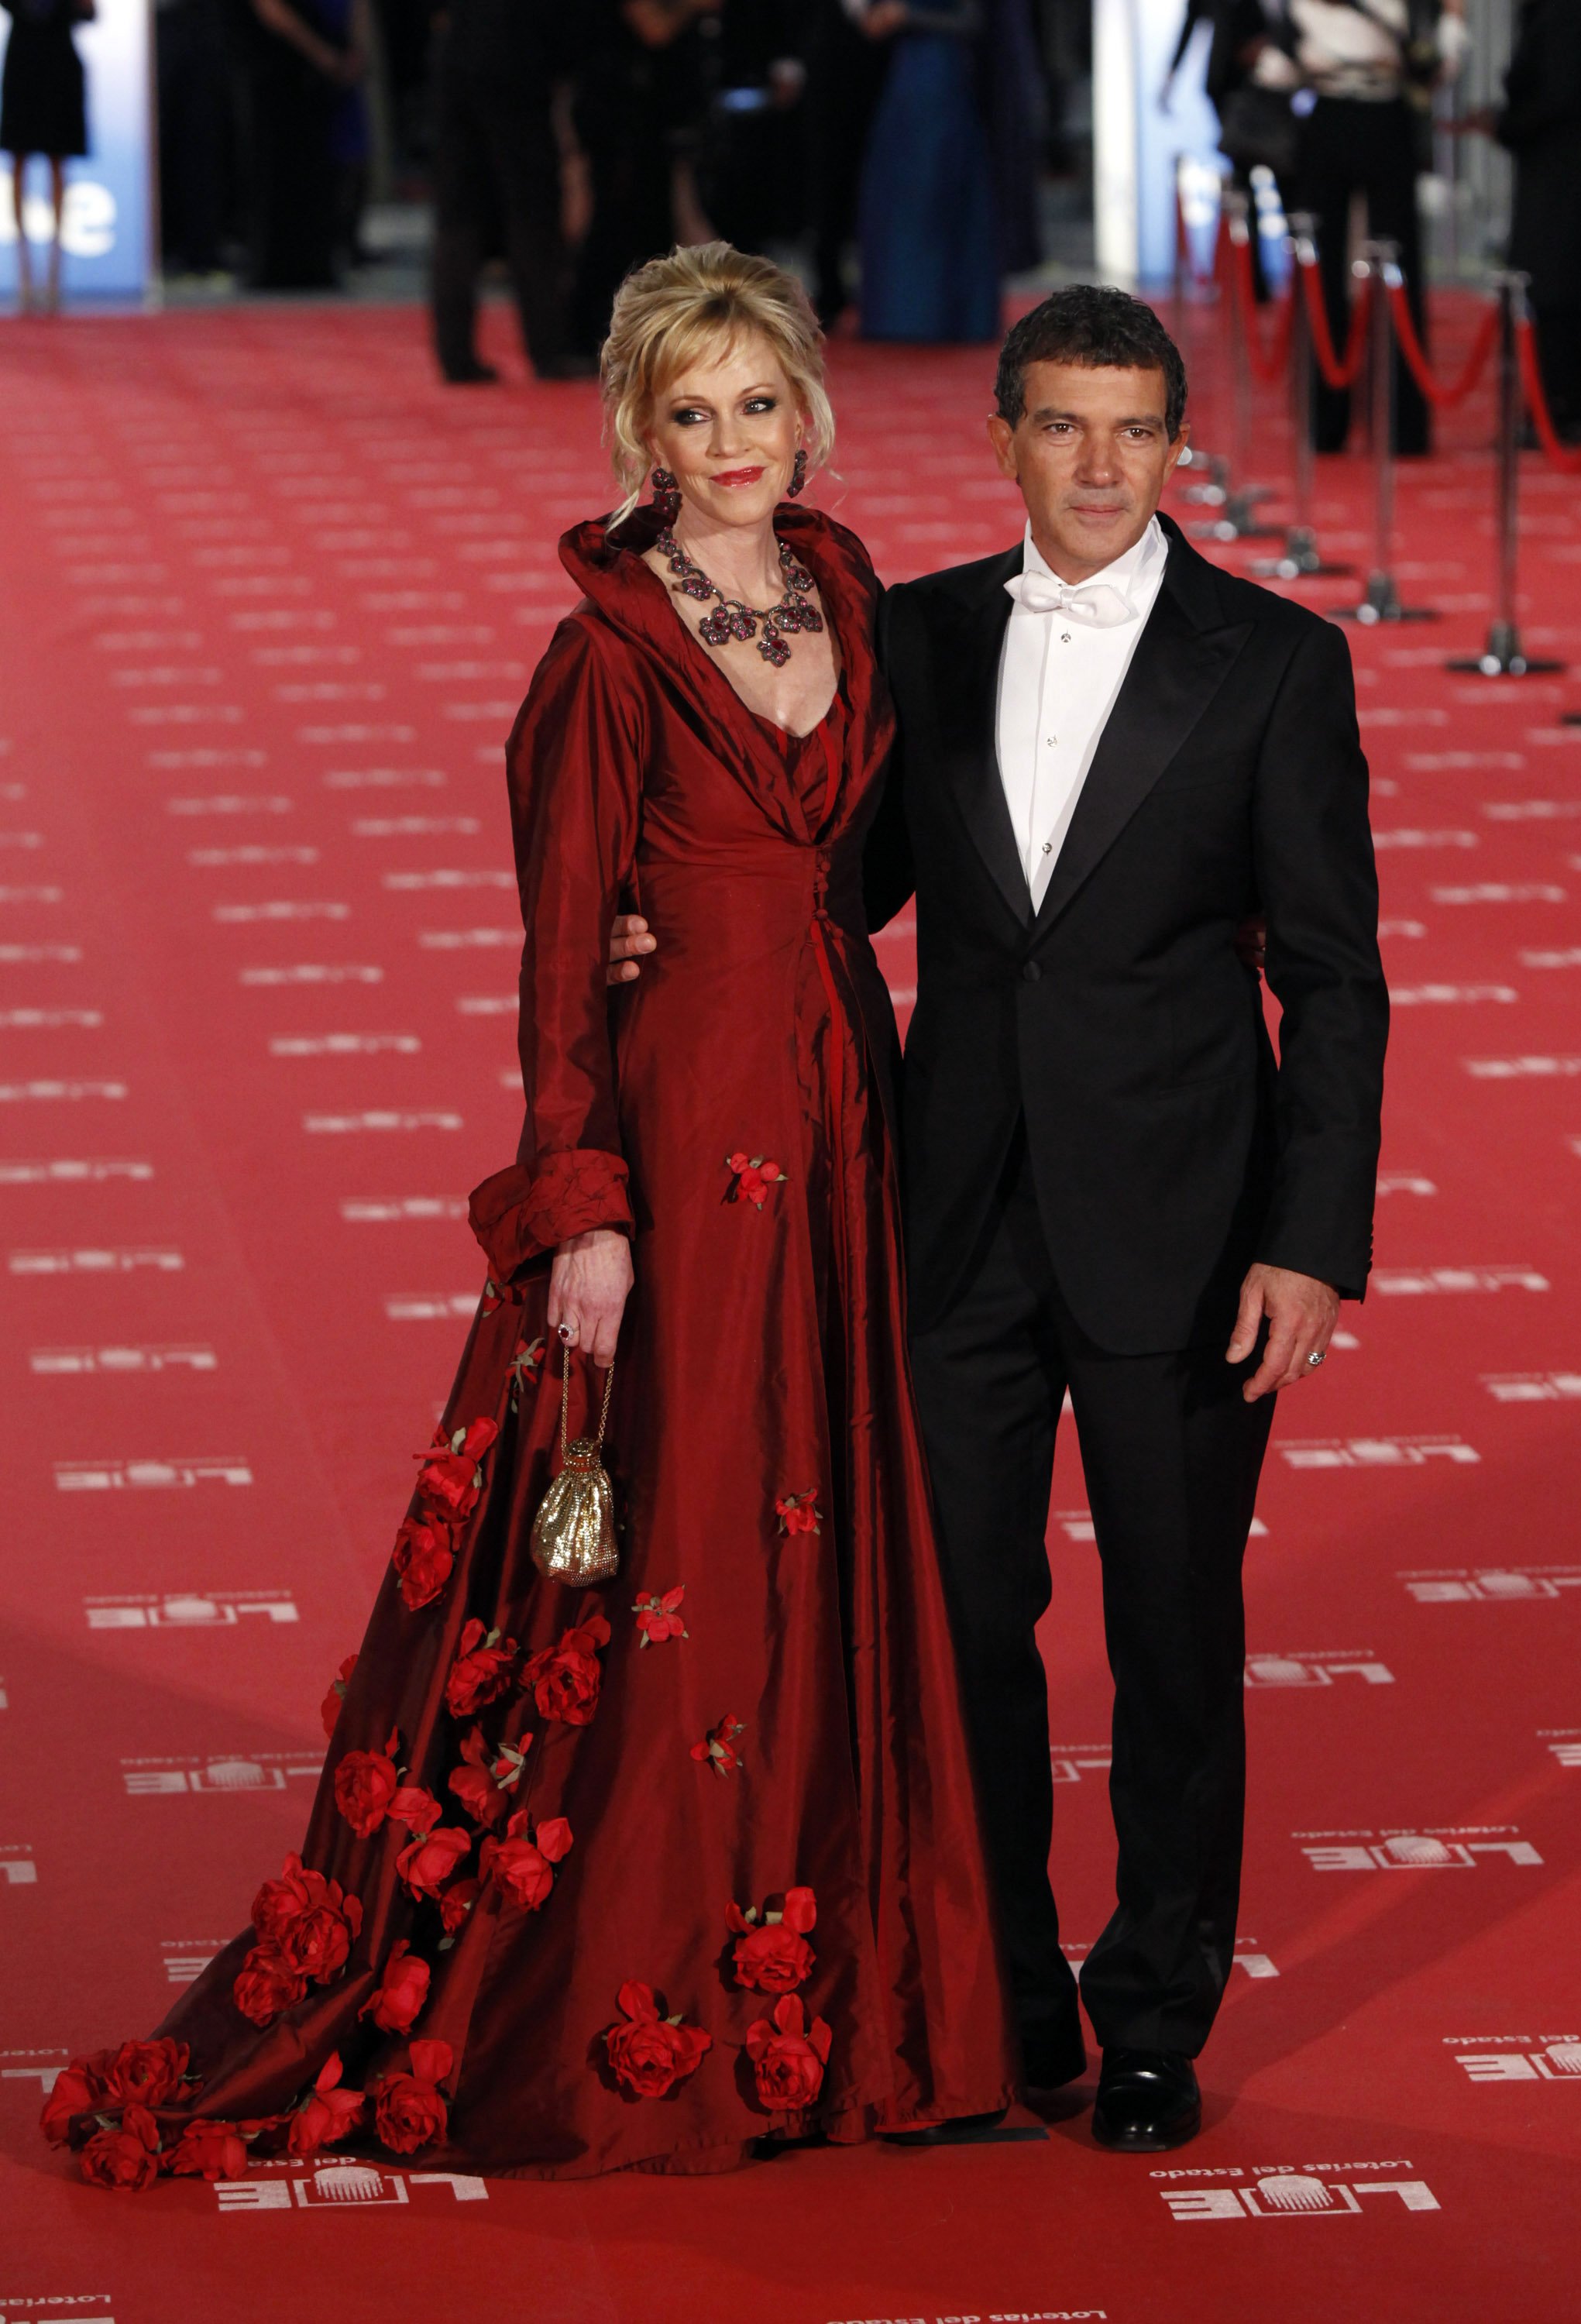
1147,2101
470,375
1050,2060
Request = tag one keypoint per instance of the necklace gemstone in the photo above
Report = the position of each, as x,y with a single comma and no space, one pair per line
736,621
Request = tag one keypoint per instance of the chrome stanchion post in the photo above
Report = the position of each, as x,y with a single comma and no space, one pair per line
1382,602
1183,257
1238,517
1302,559
1501,656
1214,491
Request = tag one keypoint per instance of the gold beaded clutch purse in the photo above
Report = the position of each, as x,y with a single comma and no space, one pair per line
574,1533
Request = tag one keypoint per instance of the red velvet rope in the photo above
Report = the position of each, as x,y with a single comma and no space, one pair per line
1410,347
1559,453
1267,366
1337,374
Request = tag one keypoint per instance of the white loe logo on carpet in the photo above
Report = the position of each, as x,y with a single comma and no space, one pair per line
1497,1585
1378,1452
185,1959
339,2184
151,1475
50,2308
1316,1670
1406,1280
167,1778
1286,2192
17,1869
1444,1847
59,1362
69,1171
1564,1743
428,1307
1070,1763
1518,2056
1532,1387
131,1262
364,1211
220,1610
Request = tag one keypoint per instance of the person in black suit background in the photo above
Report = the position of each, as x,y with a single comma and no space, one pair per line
1110,753
1540,124
498,65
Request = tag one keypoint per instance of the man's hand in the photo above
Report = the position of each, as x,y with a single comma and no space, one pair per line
627,936
1301,1315
589,1285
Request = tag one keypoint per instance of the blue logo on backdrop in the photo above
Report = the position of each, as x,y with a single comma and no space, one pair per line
107,219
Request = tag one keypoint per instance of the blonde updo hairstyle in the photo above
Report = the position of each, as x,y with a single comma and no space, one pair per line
697,301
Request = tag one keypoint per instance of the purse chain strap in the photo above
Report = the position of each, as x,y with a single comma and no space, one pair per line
565,1406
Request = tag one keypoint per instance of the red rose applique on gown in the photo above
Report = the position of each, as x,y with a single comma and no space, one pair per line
634,1876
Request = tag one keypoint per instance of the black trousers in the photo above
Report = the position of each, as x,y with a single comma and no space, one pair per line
1347,147
1559,350
845,79
496,168
626,107
197,130
1172,1453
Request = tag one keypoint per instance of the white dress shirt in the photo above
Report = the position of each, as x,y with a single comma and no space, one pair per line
1060,672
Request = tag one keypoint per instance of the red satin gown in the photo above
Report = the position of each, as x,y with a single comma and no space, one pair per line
637,1875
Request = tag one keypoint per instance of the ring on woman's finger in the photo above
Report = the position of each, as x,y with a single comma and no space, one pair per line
568,1335
1315,1359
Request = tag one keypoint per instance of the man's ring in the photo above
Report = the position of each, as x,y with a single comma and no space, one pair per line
1316,1358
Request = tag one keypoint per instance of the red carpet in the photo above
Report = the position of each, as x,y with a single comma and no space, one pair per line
271,598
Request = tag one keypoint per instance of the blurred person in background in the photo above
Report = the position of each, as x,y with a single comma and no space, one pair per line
845,76
195,131
1540,124
639,89
1370,67
927,225
1257,128
306,56
750,170
497,174
42,110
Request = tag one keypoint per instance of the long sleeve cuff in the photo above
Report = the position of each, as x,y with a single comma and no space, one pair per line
521,1216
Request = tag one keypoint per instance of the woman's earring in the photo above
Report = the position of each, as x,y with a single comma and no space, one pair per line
798,476
666,495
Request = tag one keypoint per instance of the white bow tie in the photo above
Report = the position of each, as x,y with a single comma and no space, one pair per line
1098,603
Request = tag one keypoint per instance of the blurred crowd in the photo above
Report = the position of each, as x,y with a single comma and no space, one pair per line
906,138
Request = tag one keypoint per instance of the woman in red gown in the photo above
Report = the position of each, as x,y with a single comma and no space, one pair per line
641,1874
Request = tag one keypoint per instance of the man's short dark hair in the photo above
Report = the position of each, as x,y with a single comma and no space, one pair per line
1091,324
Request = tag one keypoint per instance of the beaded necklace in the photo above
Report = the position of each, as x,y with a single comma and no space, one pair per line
738,621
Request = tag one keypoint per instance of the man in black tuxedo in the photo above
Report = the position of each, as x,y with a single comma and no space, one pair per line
1111,755
1112,752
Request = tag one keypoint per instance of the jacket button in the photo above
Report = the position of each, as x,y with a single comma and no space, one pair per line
1031,973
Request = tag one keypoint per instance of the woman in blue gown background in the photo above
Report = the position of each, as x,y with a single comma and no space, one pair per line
949,186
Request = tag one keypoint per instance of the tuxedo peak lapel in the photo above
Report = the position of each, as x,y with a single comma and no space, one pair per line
1177,668
967,695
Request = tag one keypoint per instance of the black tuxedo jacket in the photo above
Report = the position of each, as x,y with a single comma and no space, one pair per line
1168,1148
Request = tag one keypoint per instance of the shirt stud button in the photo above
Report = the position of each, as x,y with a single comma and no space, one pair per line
1064,637
1048,847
